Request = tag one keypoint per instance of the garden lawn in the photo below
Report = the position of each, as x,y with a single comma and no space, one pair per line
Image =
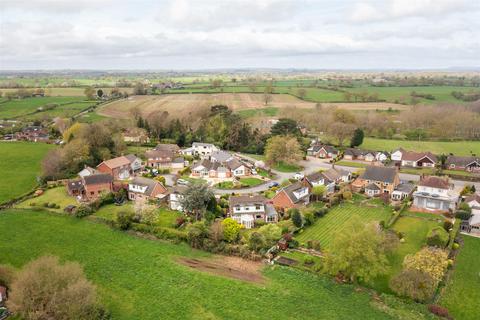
459,148
110,211
251,182
351,164
325,228
415,230
20,166
462,294
56,195
139,279
285,167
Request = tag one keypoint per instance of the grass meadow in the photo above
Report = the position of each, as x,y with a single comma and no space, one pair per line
19,167
459,148
21,107
462,293
140,279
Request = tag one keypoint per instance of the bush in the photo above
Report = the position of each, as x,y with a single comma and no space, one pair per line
414,284
125,219
437,237
296,217
464,207
259,223
308,261
309,217
83,211
438,310
52,205
313,244
321,212
455,246
463,215
447,225
45,204
347,195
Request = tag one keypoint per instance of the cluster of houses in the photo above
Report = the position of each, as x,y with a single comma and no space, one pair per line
30,133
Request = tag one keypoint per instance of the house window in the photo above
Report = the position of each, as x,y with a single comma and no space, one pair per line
92,193
257,207
258,216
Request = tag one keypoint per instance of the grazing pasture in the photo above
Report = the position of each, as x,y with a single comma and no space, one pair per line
462,293
20,165
21,107
325,228
72,91
459,148
143,279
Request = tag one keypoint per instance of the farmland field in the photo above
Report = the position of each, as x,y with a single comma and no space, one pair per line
19,167
462,294
181,105
72,91
21,107
460,148
158,287
325,228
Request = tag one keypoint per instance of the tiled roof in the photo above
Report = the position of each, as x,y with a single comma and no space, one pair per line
289,190
145,182
462,161
434,182
116,162
98,178
416,156
377,173
247,200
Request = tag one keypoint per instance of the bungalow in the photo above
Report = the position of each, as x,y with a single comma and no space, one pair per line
381,156
220,156
142,189
353,154
319,179
403,191
118,168
397,155
247,209
338,175
87,171
471,164
159,158
473,224
435,194
175,196
215,169
418,159
90,187
377,180
292,196
322,151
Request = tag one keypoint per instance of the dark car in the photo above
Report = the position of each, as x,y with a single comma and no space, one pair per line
273,184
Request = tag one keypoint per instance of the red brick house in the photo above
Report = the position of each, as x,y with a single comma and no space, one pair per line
34,134
118,168
90,187
142,189
292,196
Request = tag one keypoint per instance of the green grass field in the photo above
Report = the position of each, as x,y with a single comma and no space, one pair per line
265,112
139,279
459,148
251,182
325,229
462,294
20,167
21,107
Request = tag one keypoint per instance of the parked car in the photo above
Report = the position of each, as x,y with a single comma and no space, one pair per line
298,176
182,182
273,184
254,171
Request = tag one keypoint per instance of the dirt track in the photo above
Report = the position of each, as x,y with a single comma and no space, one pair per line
230,267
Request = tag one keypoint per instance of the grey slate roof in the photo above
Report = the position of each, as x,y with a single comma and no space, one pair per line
372,186
377,173
145,182
220,155
98,178
247,200
405,187
289,190
462,161
131,157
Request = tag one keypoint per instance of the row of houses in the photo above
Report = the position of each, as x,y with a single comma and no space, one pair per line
400,157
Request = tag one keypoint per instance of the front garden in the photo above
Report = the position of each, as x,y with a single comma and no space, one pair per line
246,182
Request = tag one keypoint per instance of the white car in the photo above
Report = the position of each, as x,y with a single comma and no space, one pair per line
298,176
182,182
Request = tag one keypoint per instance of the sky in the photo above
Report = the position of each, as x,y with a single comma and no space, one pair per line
195,34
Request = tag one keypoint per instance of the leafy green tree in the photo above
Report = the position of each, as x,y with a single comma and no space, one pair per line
358,252
271,232
433,261
414,284
231,229
296,217
357,138
257,241
437,237
284,149
284,127
195,199
100,93
318,191
197,232
125,219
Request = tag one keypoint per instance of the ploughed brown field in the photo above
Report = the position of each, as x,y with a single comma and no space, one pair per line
181,105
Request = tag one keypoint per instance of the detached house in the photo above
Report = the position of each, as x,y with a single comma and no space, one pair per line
202,150
435,194
397,155
175,196
135,162
358,154
159,158
322,151
214,169
377,180
90,187
292,196
142,189
118,168
471,164
319,179
246,209
418,159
